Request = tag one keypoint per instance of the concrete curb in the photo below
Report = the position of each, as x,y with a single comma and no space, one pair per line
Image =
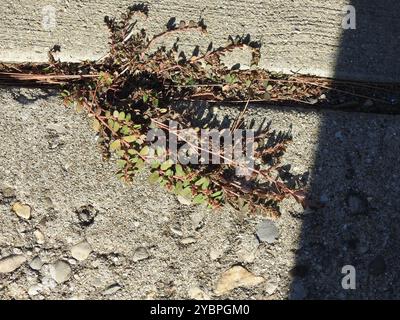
298,36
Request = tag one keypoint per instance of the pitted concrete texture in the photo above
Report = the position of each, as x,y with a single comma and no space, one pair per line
298,36
89,236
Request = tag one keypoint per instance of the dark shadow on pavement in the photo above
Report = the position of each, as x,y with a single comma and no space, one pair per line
356,176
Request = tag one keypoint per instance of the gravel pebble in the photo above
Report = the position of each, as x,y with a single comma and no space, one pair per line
11,263
22,210
267,231
60,271
236,277
39,236
81,251
36,263
141,253
111,289
196,293
271,287
188,240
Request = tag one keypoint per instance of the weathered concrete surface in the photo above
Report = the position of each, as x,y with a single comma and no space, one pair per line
145,244
298,36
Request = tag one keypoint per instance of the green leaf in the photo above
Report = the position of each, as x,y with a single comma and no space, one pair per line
186,192
129,139
199,199
145,151
132,151
121,163
154,177
179,171
145,97
159,151
116,114
110,123
65,93
134,159
125,130
204,182
121,116
163,182
116,145
178,187
155,164
96,125
120,153
155,102
216,194
166,165
231,79
116,127
128,117
140,164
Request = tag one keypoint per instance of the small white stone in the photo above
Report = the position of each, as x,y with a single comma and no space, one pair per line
60,271
11,263
267,231
36,263
271,287
140,254
49,283
176,230
34,290
216,253
81,251
196,293
39,236
236,277
189,240
22,210
185,201
17,251
112,289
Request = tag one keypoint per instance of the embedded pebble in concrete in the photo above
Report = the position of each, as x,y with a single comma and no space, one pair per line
81,251
183,200
267,231
22,210
140,254
196,293
111,289
11,263
60,271
188,240
36,263
7,192
39,236
271,287
35,289
236,277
